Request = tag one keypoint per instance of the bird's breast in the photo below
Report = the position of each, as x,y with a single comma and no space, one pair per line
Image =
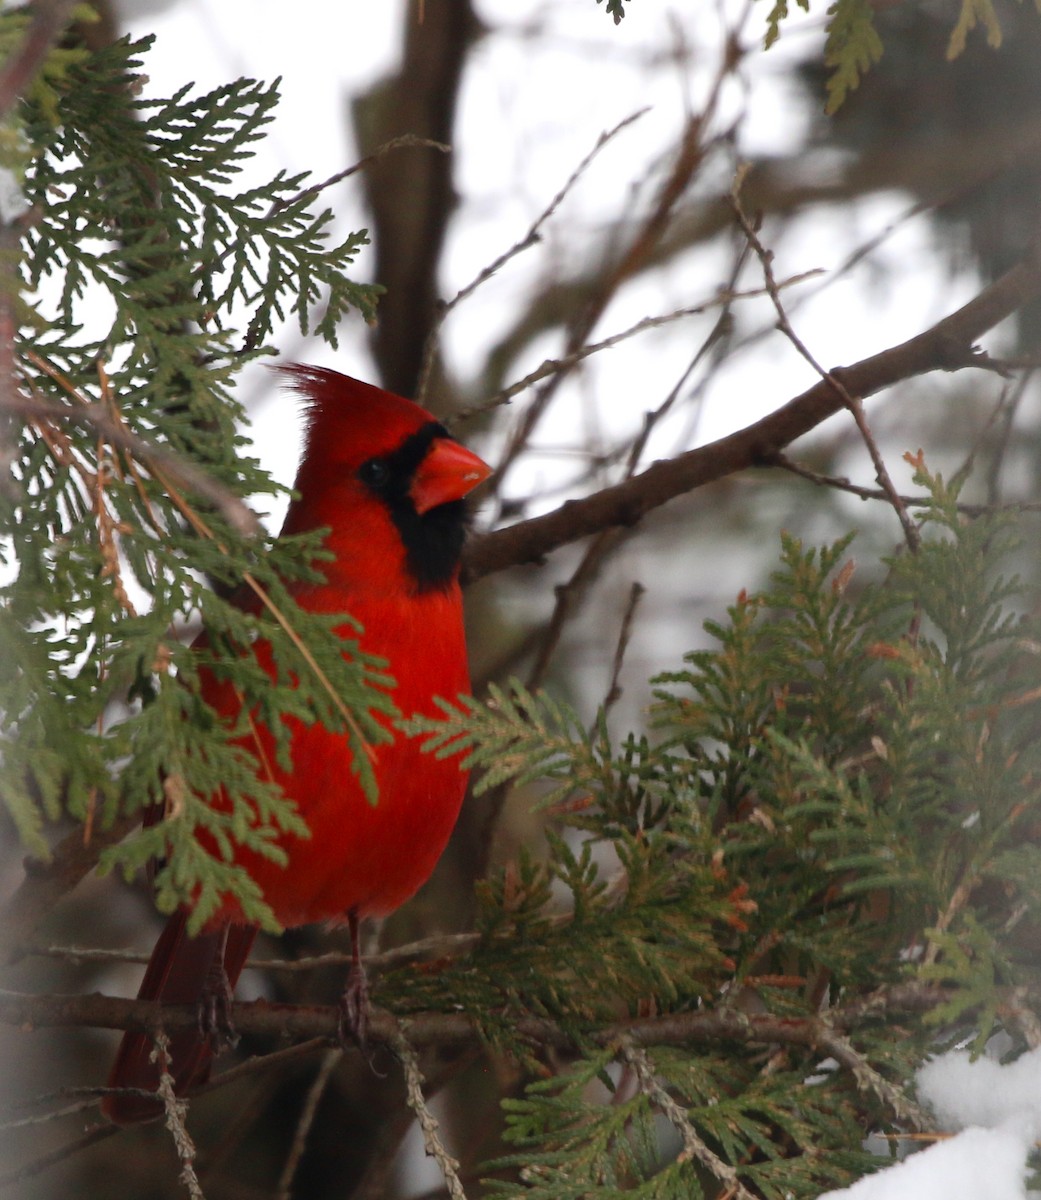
365,856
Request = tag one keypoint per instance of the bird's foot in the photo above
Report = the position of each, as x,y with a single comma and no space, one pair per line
354,1008
214,1011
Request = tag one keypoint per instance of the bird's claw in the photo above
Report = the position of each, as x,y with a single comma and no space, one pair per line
214,1009
353,1025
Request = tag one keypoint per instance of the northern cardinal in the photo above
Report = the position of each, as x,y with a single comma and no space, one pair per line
388,481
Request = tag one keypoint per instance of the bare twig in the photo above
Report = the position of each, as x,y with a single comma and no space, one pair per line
531,238
265,1062
1003,419
434,947
567,596
175,1110
694,1149
407,141
757,444
555,366
88,1099
614,692
841,484
912,534
435,1147
690,154
97,1133
306,1119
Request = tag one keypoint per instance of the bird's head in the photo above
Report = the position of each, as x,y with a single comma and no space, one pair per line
384,475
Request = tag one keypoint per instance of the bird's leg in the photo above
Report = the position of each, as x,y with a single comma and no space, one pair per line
215,1000
354,1001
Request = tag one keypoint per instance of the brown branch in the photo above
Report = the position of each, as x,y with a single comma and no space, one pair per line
97,416
840,483
46,883
315,1092
694,1147
946,345
567,597
912,534
529,239
49,18
411,196
97,1133
551,367
614,691
690,155
407,141
455,1031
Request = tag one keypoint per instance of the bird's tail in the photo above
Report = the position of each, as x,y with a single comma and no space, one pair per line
180,971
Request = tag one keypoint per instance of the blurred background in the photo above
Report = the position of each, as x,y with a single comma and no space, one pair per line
920,190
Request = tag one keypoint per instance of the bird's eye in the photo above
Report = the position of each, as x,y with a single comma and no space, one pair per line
374,474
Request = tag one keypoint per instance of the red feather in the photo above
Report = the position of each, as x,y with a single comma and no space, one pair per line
400,581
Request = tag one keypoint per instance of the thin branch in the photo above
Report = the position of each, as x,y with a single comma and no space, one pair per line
567,596
691,152
49,18
265,1062
407,141
531,238
943,346
912,534
428,1125
614,692
88,1097
439,946
694,1149
175,1110
329,1063
453,1031
570,594
554,366
98,1133
841,484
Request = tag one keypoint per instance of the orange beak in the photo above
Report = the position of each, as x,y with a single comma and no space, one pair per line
449,472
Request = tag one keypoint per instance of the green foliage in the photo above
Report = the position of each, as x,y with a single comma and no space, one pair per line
778,13
852,48
601,1126
973,12
843,801
515,735
614,8
144,247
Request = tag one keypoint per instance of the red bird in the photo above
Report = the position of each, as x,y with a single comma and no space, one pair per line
388,481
